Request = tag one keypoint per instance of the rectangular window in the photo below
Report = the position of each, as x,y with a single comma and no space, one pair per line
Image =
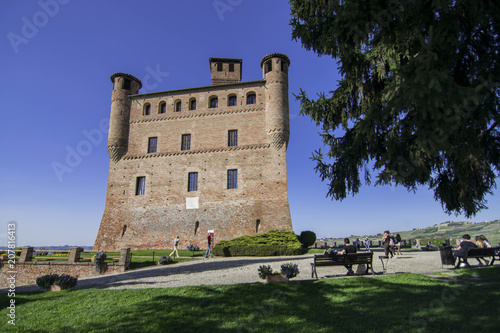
126,84
186,142
219,67
231,67
269,66
232,138
232,179
140,187
193,181
152,145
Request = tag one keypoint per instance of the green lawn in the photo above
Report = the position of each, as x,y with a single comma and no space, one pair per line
394,303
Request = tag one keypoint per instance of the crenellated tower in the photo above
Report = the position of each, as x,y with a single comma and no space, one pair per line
123,86
275,72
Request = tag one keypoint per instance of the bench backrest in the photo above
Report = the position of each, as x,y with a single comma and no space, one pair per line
360,257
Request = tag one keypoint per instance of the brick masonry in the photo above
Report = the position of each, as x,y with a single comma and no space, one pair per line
166,208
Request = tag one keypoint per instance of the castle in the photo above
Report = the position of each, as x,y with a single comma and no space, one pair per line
186,161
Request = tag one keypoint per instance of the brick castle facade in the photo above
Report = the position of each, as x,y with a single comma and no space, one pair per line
191,160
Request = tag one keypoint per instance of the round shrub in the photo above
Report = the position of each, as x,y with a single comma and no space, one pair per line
307,238
164,260
264,270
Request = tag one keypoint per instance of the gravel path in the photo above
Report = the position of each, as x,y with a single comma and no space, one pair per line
244,270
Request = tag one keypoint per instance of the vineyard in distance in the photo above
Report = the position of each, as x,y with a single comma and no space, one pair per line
446,230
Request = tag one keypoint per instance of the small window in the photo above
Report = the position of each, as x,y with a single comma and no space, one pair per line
126,84
178,106
147,109
232,179
162,108
192,181
257,225
186,142
196,227
231,67
269,66
140,187
232,138
219,67
214,102
251,99
231,101
152,145
192,104
283,66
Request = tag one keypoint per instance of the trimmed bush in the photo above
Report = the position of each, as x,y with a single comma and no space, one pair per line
307,238
165,260
46,281
272,243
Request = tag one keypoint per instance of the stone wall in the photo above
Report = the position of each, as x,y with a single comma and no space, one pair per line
25,271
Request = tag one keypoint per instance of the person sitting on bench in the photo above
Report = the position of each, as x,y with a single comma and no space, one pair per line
348,248
464,246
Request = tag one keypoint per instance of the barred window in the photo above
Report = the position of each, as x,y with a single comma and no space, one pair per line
192,104
231,67
219,67
251,99
232,179
147,109
231,101
186,142
232,138
152,145
214,102
163,107
193,181
140,187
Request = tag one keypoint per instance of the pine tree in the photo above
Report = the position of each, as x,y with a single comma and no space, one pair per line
418,100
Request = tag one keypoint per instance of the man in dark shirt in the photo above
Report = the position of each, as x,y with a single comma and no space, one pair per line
348,248
464,246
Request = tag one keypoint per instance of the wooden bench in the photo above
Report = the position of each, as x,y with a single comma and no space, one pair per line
362,258
489,252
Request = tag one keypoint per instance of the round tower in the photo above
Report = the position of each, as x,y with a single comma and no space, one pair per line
275,72
123,86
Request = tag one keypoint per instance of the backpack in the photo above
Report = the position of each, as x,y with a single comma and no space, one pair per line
398,238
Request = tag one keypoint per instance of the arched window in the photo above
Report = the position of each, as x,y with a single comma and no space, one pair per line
231,100
214,102
192,104
162,108
178,106
147,109
251,98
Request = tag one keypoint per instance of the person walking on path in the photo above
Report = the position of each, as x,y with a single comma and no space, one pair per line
176,243
209,243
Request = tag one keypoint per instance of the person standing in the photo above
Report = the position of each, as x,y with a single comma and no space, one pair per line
398,244
176,243
386,239
209,244
367,244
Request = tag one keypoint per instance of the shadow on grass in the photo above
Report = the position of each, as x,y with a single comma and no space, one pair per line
398,303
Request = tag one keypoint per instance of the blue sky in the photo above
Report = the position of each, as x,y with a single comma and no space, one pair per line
57,57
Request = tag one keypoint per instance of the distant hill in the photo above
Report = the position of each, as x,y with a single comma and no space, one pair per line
62,247
491,229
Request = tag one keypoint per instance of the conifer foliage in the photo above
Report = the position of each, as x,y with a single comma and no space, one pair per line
418,100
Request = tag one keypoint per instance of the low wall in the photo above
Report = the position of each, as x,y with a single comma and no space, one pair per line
25,271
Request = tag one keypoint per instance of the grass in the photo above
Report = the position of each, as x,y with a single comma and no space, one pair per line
395,303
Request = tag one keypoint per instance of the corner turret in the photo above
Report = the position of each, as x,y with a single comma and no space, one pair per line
123,86
275,72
